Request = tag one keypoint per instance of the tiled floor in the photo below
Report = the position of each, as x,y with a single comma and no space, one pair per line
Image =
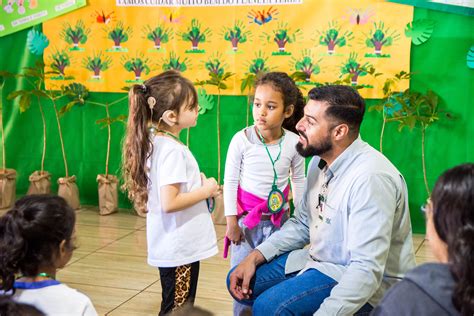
110,267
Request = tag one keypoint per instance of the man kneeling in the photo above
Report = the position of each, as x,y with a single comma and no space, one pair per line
354,215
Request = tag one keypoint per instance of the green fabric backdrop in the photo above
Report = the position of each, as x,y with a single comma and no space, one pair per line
440,64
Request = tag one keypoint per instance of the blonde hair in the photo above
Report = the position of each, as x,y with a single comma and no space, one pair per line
170,91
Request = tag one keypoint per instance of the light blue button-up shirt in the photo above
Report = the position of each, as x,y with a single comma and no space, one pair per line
355,218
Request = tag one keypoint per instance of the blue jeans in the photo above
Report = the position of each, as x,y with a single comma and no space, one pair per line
252,238
270,287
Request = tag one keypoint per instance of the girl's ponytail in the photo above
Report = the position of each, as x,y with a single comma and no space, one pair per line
136,148
12,248
461,254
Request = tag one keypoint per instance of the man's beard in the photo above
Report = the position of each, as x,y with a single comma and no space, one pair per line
314,150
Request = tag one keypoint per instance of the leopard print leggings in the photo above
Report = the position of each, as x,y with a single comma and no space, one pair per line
179,286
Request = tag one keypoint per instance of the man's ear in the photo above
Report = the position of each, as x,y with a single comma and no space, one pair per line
340,131
170,117
289,110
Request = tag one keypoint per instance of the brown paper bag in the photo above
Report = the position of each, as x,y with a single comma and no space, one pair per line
7,187
68,190
108,194
40,183
218,216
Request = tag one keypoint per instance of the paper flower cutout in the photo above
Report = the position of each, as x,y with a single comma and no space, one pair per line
470,57
419,30
206,101
36,42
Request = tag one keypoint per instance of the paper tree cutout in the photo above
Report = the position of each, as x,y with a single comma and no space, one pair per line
419,30
206,101
470,57
36,42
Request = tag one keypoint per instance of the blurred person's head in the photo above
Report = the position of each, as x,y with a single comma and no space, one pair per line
450,230
36,236
8,307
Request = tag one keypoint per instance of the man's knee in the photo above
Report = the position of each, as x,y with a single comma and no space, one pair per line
264,306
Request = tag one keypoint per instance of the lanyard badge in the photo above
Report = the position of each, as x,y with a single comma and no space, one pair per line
275,200
211,204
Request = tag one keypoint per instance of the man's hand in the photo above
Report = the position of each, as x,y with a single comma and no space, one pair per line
243,273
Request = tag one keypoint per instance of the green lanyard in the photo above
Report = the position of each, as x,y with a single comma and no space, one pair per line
169,134
276,198
41,274
275,176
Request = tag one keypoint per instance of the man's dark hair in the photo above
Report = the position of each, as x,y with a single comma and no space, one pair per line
345,105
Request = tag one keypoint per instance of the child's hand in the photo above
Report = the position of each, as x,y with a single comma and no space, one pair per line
211,186
234,232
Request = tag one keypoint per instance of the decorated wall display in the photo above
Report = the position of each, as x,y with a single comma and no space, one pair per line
107,45
17,15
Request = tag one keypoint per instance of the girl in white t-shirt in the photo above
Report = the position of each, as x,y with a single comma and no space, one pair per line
36,239
261,160
163,180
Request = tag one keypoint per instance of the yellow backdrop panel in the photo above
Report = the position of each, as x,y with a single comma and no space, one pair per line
107,47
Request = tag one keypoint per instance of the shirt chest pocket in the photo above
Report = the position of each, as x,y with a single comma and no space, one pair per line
331,224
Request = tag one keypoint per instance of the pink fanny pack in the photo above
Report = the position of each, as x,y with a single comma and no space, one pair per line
256,206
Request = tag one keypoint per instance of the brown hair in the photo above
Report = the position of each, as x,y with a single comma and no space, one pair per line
170,90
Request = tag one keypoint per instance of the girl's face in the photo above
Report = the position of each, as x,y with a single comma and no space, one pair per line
438,247
187,117
268,109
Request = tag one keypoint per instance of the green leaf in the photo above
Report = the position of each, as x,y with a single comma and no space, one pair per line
419,30
31,72
67,107
109,121
206,102
6,74
14,94
247,82
25,102
470,57
298,76
39,93
200,83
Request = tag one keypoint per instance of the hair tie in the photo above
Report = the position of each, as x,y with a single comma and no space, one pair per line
143,88
151,102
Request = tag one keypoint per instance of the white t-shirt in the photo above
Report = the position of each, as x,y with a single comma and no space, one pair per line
182,237
249,166
54,298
